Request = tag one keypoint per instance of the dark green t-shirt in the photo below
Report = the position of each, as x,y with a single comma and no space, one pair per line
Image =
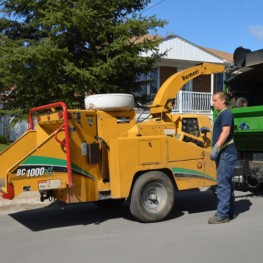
224,118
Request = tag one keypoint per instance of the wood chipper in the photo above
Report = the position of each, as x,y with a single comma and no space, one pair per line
102,154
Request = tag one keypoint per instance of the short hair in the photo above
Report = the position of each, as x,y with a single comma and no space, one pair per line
223,96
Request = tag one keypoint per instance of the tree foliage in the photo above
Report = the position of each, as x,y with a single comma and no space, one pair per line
58,50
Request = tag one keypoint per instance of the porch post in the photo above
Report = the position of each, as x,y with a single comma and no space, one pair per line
212,88
180,101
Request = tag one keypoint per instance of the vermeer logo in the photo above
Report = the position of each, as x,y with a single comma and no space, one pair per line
190,75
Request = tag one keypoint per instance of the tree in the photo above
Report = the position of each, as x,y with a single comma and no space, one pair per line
58,50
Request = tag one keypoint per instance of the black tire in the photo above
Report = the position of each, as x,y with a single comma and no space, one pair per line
109,203
241,102
152,197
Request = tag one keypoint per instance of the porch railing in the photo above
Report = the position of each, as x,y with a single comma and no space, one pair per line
188,101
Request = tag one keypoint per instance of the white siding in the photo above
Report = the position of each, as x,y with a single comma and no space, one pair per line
180,49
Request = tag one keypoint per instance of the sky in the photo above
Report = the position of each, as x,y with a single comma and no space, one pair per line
222,25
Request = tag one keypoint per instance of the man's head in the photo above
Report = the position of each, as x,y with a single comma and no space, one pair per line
220,100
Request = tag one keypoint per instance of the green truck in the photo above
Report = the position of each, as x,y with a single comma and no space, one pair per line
244,84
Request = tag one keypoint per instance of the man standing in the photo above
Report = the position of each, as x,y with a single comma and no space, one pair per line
224,153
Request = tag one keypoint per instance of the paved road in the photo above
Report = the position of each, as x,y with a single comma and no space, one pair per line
86,233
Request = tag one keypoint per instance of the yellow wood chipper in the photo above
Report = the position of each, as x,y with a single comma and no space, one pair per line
102,154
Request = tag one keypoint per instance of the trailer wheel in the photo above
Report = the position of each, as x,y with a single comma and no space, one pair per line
152,197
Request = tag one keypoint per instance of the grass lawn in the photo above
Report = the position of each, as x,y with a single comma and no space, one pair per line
3,146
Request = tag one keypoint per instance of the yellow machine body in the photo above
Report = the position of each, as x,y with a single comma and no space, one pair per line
91,155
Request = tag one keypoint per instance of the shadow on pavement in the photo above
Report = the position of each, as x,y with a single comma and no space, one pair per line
59,215
196,201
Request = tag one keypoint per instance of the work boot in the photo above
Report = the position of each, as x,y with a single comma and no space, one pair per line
232,216
217,220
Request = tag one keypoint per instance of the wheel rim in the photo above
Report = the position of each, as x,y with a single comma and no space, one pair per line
153,196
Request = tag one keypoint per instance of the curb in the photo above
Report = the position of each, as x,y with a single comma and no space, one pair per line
25,201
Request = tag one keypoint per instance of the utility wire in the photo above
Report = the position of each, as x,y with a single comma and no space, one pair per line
150,7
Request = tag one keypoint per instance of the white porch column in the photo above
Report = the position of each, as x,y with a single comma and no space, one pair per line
212,87
180,101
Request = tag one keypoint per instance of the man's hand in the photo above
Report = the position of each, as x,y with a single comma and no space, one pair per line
214,153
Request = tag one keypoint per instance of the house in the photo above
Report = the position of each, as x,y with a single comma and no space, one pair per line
182,54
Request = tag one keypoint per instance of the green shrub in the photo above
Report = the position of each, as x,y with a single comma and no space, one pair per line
2,139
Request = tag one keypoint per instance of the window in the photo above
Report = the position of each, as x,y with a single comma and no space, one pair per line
149,90
219,81
189,85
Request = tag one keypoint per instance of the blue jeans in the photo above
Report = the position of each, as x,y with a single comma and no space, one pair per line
225,192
